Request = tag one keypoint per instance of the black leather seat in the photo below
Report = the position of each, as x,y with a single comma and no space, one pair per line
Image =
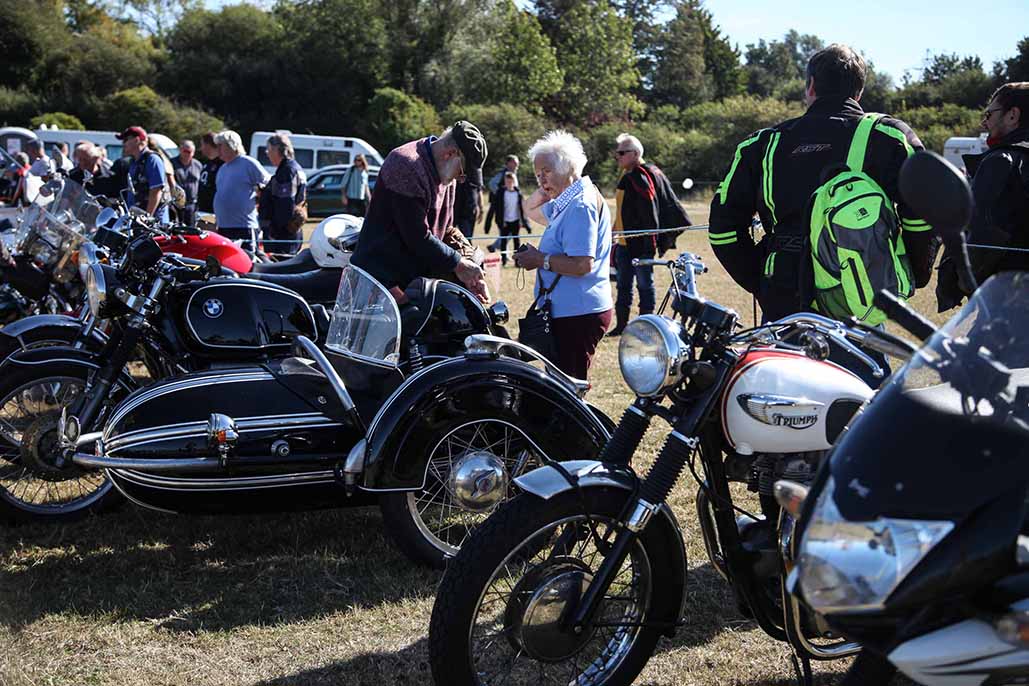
315,286
303,261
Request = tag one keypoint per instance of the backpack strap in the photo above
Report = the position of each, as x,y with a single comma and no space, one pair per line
859,143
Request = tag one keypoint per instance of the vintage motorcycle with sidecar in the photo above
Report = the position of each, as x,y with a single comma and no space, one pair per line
398,407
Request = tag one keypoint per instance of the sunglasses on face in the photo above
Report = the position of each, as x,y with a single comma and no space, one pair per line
619,153
987,113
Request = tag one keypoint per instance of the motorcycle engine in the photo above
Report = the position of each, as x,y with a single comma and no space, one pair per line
760,471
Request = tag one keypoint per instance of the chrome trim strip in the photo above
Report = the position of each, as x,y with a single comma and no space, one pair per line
183,384
183,464
53,359
245,283
201,432
168,483
483,344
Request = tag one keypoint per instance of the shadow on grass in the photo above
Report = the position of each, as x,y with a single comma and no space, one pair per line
204,573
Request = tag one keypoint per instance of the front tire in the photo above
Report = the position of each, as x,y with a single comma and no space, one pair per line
485,629
34,484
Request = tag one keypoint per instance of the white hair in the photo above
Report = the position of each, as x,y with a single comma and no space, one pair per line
86,148
231,140
564,148
633,142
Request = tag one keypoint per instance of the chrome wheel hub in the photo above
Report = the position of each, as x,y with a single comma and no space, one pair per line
478,481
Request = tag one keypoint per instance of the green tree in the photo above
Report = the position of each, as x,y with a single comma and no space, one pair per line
508,129
777,68
1015,68
397,117
141,106
521,64
594,47
61,120
680,75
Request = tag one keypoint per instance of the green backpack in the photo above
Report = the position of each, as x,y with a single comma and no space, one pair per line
856,245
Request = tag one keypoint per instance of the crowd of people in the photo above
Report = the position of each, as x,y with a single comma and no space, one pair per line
428,200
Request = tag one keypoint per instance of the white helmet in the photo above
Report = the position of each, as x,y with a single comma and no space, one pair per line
334,239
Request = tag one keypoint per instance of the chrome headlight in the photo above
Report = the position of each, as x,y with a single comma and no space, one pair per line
846,566
96,288
87,258
651,352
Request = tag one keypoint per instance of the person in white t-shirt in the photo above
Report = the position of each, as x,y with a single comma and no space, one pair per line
507,209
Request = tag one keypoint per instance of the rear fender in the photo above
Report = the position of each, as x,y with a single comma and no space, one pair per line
548,481
87,359
12,336
411,422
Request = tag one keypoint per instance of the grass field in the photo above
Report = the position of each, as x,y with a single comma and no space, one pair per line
142,598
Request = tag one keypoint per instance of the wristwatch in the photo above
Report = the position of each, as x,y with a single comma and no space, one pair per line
546,262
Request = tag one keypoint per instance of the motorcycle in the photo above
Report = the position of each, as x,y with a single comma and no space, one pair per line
576,578
408,410
915,546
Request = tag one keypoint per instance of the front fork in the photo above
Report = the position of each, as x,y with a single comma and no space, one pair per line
653,492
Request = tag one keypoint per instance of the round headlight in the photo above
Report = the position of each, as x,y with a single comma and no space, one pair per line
96,288
651,352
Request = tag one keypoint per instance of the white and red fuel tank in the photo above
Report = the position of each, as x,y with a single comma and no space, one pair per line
778,401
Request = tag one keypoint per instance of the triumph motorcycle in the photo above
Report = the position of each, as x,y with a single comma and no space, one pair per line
576,578
917,545
422,407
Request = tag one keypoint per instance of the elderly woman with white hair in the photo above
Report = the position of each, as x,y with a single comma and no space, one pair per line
235,199
574,251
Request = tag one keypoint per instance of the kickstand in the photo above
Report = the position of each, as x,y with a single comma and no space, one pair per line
802,668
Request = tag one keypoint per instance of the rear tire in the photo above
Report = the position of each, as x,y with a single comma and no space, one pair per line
29,490
512,538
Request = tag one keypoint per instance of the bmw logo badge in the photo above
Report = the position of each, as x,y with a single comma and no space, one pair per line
213,308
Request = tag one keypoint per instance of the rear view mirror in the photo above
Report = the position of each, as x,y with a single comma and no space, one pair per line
937,192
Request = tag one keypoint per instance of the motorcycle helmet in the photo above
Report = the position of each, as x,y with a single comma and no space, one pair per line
334,239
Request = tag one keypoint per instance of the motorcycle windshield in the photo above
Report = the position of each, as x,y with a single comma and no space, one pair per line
950,431
55,227
365,321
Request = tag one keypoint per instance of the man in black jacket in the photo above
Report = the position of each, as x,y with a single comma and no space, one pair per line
775,171
1000,186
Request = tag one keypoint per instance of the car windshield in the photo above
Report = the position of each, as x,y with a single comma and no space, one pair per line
977,364
365,320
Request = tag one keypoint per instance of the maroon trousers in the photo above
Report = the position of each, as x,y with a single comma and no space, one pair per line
577,339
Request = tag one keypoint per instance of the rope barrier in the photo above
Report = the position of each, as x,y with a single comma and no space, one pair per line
615,234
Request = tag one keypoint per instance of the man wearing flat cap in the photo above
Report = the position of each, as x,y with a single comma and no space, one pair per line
409,227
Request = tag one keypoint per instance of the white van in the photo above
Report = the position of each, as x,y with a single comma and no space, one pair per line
313,152
957,146
107,139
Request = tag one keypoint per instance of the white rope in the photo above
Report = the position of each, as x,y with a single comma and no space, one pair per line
616,234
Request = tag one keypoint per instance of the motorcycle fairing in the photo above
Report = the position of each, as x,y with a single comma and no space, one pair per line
401,435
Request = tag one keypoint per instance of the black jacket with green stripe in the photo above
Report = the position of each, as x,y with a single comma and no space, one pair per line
773,174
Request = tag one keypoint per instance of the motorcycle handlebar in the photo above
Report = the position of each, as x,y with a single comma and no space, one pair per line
899,312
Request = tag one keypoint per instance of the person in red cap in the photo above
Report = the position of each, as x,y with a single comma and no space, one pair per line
146,173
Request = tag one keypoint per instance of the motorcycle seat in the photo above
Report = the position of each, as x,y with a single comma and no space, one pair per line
315,286
303,261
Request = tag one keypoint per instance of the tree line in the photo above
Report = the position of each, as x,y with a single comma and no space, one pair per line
390,71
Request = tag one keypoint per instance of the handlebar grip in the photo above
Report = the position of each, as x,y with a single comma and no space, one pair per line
899,312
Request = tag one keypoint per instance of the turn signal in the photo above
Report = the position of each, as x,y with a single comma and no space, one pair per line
1014,629
790,495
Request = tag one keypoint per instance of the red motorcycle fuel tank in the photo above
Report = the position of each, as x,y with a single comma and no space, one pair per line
198,247
779,401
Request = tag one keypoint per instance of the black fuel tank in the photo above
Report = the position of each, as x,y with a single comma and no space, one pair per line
449,314
241,319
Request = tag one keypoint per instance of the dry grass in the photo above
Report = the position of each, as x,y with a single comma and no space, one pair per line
142,598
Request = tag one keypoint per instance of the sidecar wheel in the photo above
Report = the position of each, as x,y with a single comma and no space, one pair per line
33,487
469,474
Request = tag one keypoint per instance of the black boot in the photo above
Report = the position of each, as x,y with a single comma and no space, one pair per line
622,318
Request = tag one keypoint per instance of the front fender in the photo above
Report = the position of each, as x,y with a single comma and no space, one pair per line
85,358
13,336
547,482
460,390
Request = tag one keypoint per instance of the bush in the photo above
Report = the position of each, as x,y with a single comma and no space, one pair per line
61,120
396,118
141,106
934,125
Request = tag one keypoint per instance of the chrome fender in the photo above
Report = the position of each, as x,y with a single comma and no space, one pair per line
548,481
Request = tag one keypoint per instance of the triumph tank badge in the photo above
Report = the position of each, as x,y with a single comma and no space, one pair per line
213,308
778,410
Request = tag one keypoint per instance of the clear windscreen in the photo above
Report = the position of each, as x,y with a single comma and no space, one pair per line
57,224
978,363
365,320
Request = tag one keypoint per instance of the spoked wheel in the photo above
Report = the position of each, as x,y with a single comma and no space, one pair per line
36,482
499,613
470,472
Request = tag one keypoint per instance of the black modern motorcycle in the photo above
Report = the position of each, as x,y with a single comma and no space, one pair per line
913,541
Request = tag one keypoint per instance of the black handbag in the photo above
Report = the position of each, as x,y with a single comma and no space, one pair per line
536,328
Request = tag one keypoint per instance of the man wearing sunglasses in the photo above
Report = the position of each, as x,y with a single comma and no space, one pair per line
1000,185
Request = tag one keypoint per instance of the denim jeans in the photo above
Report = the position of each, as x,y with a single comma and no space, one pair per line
644,277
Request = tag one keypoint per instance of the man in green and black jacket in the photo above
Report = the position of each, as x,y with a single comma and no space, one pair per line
775,171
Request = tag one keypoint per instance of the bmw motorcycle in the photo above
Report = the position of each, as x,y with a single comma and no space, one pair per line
914,542
575,579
